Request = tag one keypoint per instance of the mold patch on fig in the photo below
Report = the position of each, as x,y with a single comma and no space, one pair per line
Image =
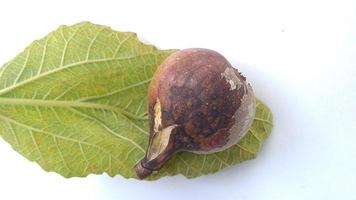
243,116
232,79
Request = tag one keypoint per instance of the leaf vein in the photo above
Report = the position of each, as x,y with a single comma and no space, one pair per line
263,120
107,128
61,154
93,41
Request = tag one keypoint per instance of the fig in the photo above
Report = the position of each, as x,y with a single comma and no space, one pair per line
197,102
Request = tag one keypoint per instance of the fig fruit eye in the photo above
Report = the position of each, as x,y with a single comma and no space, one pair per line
197,102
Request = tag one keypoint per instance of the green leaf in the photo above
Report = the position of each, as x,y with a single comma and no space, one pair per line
75,103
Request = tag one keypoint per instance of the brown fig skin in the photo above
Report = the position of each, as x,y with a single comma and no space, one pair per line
197,102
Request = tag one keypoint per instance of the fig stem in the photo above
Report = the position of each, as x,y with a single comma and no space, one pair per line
141,171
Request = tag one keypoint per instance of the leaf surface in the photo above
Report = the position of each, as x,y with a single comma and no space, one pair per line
75,103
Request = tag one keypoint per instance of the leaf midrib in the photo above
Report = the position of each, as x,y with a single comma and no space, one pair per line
19,84
66,104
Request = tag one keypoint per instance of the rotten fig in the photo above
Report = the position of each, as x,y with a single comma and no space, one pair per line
198,103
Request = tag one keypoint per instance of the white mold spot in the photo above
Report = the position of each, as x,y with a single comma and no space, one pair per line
231,77
244,116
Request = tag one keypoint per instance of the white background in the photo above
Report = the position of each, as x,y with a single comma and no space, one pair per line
300,56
